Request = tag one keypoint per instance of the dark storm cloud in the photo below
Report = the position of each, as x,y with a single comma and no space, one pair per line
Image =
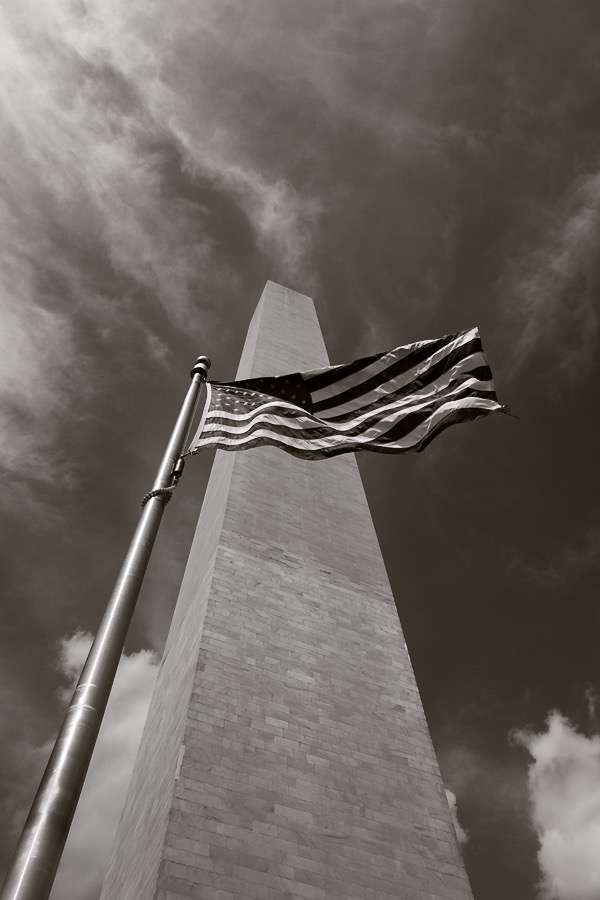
417,166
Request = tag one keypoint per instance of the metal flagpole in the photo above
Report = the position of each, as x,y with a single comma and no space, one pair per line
40,847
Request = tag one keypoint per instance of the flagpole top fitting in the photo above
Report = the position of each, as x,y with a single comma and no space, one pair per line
201,367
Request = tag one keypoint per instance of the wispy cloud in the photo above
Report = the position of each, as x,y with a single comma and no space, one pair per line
36,351
107,148
84,219
591,698
564,789
563,563
551,292
484,779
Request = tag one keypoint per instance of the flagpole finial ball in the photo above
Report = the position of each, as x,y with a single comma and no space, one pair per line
201,366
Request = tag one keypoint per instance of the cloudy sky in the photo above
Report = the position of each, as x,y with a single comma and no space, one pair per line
418,167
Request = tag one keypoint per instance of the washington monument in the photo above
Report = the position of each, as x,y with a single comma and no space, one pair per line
286,752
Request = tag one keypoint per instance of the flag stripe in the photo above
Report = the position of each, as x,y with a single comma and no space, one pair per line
413,441
392,427
476,381
291,417
430,384
322,386
320,379
400,372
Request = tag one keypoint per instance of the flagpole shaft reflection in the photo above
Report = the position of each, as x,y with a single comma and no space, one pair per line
38,853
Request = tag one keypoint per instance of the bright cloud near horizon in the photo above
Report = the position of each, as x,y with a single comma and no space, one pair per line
461,834
88,847
564,788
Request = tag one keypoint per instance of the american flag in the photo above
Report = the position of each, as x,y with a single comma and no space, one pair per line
394,402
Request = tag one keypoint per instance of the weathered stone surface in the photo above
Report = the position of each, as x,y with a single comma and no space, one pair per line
286,753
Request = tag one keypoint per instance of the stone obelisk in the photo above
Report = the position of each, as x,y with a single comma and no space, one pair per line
286,752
